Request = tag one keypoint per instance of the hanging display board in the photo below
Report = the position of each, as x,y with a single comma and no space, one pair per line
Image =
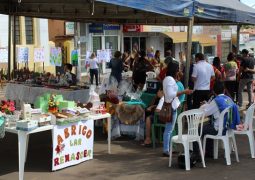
22,54
72,144
55,56
3,55
104,55
39,55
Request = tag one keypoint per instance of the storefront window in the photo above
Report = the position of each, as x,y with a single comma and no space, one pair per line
111,42
97,43
127,44
143,43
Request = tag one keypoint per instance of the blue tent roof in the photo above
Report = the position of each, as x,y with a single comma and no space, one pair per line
223,10
166,7
231,10
157,12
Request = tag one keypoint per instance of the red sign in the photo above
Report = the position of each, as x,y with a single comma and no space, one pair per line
132,28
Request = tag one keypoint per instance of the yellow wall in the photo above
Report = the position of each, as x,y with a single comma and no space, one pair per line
68,45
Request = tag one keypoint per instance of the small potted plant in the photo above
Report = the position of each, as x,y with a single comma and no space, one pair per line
52,104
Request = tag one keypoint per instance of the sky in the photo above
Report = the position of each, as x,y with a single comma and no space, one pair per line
249,2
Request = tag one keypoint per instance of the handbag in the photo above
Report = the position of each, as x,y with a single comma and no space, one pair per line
165,114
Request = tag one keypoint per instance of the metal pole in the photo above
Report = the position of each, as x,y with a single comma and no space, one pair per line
9,46
188,59
238,39
14,47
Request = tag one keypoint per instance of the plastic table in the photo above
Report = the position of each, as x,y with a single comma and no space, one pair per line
23,139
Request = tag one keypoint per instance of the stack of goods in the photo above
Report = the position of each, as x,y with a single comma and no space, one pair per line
65,111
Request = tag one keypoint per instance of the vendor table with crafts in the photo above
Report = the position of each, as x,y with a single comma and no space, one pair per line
28,94
72,142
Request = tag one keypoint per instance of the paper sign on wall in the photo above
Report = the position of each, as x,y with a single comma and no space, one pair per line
74,57
72,144
39,55
22,54
104,55
3,55
55,56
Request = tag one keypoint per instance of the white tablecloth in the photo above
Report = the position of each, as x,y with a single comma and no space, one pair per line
27,94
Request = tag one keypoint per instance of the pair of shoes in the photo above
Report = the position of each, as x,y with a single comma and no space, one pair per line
165,154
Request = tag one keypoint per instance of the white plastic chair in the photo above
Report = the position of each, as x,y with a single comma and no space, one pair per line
225,138
248,129
194,118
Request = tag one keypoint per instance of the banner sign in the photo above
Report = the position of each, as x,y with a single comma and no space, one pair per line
96,28
39,55
22,54
55,56
72,144
132,28
111,27
3,55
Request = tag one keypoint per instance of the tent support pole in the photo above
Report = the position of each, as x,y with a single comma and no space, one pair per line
14,47
188,55
9,46
238,39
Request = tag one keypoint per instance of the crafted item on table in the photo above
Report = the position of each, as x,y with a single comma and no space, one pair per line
26,125
26,109
65,105
48,101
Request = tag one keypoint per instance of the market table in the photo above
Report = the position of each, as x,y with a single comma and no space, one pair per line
23,138
28,94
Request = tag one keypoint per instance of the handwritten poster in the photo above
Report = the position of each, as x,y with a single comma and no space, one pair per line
88,54
104,55
39,55
55,56
3,55
72,144
22,54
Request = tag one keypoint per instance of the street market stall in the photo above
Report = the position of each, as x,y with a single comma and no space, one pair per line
72,129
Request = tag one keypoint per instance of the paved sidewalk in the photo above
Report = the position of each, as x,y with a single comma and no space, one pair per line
128,161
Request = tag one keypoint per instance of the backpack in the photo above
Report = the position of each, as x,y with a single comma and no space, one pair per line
181,160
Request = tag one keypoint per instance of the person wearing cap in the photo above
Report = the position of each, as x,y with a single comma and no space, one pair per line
246,77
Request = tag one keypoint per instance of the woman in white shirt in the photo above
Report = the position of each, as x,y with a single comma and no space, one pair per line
170,89
93,68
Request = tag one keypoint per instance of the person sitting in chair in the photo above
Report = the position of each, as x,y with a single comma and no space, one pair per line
214,108
69,76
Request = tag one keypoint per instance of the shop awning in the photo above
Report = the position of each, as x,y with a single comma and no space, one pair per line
206,40
181,37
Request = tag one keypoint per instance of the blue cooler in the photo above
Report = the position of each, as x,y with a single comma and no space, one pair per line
152,85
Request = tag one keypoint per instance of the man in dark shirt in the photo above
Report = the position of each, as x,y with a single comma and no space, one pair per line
116,64
246,77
